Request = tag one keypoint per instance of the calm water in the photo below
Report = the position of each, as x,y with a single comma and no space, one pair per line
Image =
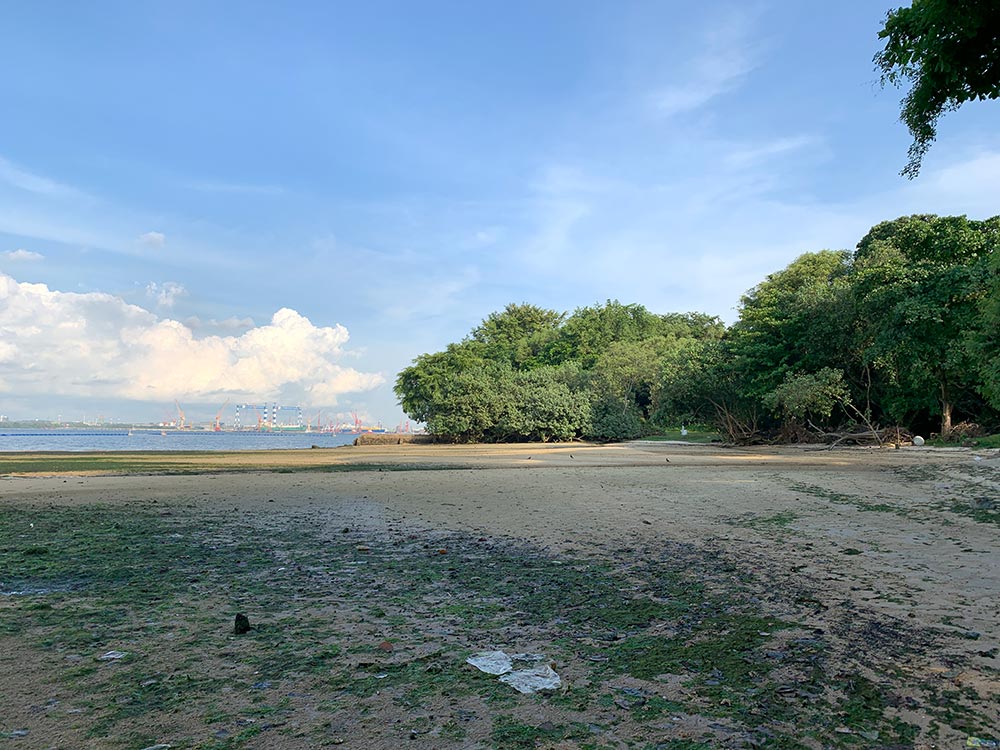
97,440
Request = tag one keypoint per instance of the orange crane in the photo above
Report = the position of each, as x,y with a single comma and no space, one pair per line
218,416
181,419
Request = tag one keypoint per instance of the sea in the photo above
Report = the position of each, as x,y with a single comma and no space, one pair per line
20,440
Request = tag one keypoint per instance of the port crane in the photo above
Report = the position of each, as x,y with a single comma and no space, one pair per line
181,419
218,416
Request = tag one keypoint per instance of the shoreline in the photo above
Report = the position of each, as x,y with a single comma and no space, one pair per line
425,456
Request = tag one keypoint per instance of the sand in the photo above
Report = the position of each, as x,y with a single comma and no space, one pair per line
876,535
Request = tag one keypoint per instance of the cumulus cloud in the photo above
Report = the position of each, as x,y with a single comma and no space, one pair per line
166,293
96,345
22,254
153,239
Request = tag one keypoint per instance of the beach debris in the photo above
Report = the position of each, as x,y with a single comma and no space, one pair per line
161,746
980,742
112,656
242,624
534,679
363,548
14,734
538,678
917,440
491,662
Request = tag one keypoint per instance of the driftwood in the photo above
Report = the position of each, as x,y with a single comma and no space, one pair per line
888,435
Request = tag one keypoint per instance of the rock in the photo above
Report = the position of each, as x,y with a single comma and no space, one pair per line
385,646
242,624
112,656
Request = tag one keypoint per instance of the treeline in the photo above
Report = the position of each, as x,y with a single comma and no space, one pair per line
903,331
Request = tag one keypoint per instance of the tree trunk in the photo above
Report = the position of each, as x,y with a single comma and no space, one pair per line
946,407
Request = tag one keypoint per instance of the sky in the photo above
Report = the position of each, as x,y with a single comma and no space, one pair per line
289,202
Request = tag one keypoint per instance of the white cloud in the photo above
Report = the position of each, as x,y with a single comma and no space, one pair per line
166,293
29,182
153,239
756,154
22,254
727,54
96,345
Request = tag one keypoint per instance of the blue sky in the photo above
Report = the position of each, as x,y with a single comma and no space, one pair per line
175,174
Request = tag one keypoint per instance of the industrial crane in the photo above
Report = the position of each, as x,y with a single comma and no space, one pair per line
218,424
181,419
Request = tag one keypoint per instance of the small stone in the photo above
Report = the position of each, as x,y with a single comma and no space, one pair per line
242,624
385,646
112,656
363,548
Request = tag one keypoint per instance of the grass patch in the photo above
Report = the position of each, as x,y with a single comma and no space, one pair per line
183,463
694,435
842,498
164,587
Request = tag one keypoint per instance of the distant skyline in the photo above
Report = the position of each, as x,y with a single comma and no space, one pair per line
250,201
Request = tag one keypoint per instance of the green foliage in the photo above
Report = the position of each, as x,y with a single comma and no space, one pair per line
520,335
797,319
544,409
950,50
810,394
903,330
919,282
527,373
615,419
985,341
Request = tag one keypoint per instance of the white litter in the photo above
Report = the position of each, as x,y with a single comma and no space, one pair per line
111,656
529,680
538,678
491,662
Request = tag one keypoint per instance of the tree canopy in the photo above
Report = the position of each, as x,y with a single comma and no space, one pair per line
901,331
950,51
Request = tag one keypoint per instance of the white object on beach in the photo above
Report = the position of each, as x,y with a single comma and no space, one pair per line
917,440
491,662
111,656
530,680
534,680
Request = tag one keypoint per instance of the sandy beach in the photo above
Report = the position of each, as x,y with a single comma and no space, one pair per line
890,557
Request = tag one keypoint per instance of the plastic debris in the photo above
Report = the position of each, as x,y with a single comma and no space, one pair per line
917,440
980,742
491,662
538,678
111,656
533,679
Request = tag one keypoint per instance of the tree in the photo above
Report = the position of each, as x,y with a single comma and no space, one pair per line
950,50
919,283
986,341
518,335
797,319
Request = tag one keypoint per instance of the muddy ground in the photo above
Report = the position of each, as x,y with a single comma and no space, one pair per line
688,597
